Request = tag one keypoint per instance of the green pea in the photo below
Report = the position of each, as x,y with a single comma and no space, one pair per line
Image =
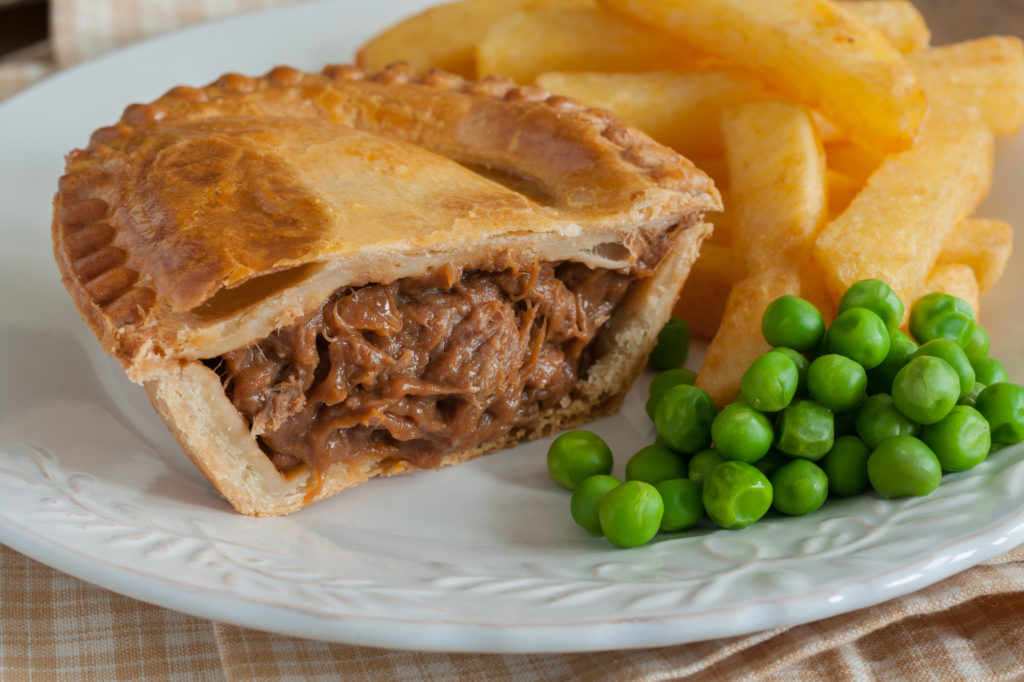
904,466
770,382
792,322
846,466
683,417
901,349
878,420
653,464
837,382
735,495
664,381
971,399
631,513
926,389
741,432
801,362
702,463
805,429
961,440
683,505
586,500
1002,404
989,371
673,345
799,488
771,462
576,455
954,355
979,344
876,296
860,335
941,316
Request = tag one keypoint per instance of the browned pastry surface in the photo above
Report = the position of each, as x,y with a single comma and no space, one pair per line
166,216
204,225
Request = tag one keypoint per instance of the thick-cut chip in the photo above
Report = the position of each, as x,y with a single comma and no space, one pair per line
814,50
981,80
955,279
680,109
894,228
445,36
852,159
826,129
524,45
777,184
984,245
897,20
738,340
777,190
842,188
702,300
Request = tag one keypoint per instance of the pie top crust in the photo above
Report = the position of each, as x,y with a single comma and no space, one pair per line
206,219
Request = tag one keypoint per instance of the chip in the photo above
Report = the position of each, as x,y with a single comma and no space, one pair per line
525,44
813,50
680,109
777,193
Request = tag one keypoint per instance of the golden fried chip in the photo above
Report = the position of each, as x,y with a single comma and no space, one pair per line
524,45
852,159
777,183
984,245
980,80
894,228
702,300
897,20
955,279
777,205
813,50
842,188
445,36
680,109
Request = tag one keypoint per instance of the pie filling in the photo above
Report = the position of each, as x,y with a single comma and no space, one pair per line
425,365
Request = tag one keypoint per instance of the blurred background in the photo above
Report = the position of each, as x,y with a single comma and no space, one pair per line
22,23
34,40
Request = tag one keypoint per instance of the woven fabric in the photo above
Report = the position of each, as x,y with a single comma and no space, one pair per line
56,627
20,69
53,626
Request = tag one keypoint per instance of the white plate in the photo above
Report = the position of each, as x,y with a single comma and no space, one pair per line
480,557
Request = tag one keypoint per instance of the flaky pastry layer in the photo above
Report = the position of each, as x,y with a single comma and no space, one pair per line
192,402
204,221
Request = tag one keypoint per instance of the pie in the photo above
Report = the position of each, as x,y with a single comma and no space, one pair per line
321,278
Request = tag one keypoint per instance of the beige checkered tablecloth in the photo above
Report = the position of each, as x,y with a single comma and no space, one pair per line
53,626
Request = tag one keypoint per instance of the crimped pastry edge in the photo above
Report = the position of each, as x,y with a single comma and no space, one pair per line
123,310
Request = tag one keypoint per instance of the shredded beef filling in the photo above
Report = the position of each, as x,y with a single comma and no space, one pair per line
422,366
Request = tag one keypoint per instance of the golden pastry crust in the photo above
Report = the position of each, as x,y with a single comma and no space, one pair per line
208,219
212,216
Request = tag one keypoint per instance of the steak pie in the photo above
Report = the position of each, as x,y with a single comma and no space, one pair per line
321,278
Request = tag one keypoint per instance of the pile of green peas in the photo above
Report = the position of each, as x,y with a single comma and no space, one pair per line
829,410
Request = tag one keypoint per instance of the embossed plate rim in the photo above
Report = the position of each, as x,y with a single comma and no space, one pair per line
102,87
